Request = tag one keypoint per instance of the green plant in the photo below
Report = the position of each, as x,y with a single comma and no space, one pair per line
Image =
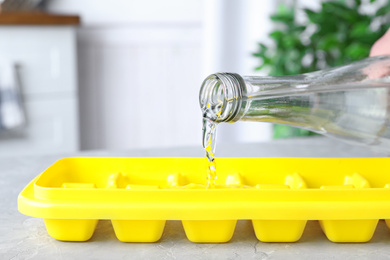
337,34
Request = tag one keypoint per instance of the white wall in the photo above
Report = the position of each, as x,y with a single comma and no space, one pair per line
130,12
141,64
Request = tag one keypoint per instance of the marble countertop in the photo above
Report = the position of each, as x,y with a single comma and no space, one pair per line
23,237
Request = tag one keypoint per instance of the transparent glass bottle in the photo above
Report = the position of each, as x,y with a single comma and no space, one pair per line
350,103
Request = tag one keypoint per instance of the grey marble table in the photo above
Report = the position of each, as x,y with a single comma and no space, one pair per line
23,237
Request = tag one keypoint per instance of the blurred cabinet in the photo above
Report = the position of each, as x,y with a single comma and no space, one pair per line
46,58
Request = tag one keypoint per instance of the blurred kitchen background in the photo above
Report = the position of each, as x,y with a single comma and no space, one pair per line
124,74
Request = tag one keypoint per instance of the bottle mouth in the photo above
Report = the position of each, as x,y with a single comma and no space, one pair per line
220,97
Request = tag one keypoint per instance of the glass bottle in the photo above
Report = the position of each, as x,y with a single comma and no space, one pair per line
350,103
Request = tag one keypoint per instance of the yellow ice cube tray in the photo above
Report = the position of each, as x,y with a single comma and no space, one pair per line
279,195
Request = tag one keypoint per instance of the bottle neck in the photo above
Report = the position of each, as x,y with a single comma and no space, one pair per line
227,97
221,97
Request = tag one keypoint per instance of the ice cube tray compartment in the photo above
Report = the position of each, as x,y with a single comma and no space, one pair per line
279,195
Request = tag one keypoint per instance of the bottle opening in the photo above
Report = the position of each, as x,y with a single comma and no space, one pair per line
220,96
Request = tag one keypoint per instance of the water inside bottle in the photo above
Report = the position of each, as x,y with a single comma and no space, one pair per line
355,113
